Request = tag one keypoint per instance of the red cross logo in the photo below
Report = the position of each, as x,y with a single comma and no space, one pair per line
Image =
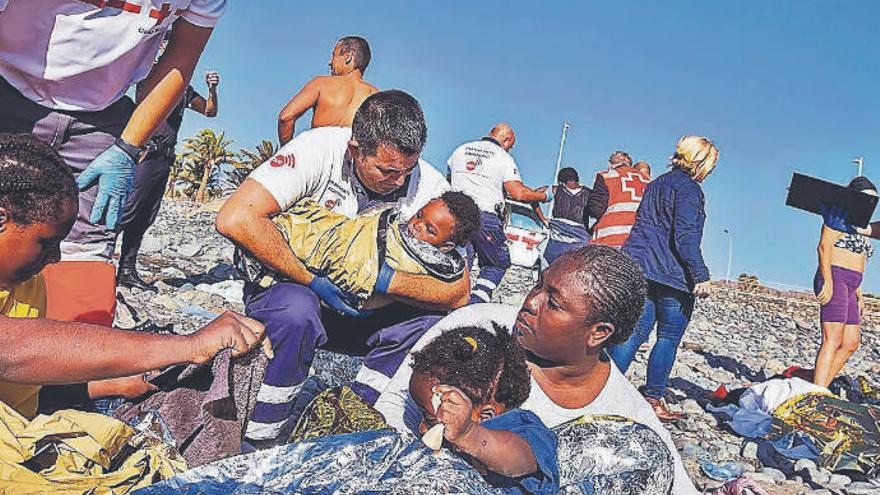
160,15
628,185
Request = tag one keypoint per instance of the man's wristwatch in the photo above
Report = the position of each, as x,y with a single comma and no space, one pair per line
129,149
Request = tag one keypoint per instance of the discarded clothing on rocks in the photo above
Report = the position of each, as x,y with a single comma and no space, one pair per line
800,420
204,407
350,251
78,453
595,455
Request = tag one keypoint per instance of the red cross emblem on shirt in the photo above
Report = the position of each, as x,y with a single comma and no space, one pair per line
161,14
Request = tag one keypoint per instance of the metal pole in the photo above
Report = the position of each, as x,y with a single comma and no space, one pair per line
565,127
860,161
729,252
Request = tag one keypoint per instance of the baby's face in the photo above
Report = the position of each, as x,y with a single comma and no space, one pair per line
433,224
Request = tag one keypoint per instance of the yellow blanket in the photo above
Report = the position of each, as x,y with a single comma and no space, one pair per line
346,250
78,453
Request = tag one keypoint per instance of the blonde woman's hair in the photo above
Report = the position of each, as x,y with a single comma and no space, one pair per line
695,155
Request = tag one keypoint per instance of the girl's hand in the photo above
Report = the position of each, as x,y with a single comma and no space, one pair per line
824,295
454,412
861,300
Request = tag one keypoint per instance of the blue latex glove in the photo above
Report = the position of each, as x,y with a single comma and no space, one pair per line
114,171
835,218
383,281
334,297
549,193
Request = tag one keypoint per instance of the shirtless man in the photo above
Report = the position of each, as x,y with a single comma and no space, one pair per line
335,98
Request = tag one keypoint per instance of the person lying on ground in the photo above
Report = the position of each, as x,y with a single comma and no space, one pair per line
333,99
471,381
38,206
587,300
359,254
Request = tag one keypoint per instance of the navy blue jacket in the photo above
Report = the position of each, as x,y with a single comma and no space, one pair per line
665,240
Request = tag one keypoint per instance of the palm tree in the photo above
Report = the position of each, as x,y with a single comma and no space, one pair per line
202,152
248,160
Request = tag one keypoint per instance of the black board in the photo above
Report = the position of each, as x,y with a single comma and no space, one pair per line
809,193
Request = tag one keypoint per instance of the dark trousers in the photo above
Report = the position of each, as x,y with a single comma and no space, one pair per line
297,325
143,203
79,137
671,310
490,246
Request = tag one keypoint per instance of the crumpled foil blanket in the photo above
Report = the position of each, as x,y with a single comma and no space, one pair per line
601,455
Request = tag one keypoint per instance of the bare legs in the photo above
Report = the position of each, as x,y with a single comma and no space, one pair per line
839,342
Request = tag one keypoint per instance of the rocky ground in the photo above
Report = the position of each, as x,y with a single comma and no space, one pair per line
735,338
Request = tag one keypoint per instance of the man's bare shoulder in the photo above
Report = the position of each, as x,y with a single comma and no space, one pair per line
372,89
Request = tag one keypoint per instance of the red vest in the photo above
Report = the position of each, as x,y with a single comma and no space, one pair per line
625,188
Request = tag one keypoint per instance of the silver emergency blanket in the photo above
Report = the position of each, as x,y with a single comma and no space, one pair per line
602,455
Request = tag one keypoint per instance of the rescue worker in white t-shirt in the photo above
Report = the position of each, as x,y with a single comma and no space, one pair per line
374,164
485,171
65,66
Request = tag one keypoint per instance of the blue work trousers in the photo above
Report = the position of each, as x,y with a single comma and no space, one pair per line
490,246
297,325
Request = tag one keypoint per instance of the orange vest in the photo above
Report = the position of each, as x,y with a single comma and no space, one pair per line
625,188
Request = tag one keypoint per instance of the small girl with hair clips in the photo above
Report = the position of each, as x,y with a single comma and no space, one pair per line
471,382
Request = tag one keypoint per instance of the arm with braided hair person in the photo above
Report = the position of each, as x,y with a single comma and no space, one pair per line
38,205
471,381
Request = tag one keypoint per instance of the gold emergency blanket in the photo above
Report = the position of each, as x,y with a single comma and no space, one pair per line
73,452
348,250
336,411
847,434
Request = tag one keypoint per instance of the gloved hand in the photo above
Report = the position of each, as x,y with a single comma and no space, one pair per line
548,192
334,297
835,218
383,281
114,171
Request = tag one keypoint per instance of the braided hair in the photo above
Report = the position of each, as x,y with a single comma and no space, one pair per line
482,365
614,286
35,183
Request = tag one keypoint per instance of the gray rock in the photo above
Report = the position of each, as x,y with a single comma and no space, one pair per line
803,464
230,290
765,476
172,272
749,450
838,480
691,406
815,475
862,488
153,244
189,250
776,474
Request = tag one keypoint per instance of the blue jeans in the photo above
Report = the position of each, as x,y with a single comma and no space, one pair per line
671,309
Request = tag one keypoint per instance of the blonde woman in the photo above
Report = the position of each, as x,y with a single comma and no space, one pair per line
837,285
665,242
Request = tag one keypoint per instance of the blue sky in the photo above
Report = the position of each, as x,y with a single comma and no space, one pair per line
779,86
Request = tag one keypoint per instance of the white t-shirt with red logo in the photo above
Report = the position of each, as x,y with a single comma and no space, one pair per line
85,54
313,165
480,169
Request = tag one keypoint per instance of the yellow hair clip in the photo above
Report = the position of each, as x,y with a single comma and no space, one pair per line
472,342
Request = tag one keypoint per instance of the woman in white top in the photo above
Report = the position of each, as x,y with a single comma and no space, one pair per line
586,300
